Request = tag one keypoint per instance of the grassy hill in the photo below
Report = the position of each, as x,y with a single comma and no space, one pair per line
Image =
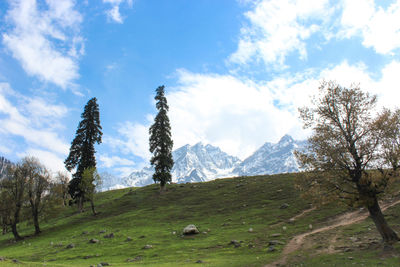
250,210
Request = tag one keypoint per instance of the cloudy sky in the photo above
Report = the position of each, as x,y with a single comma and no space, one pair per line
235,71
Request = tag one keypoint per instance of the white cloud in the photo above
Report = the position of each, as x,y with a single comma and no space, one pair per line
36,122
131,139
45,41
113,13
279,27
51,160
236,115
378,27
112,161
276,29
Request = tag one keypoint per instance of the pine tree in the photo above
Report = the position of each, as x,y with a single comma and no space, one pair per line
161,142
82,150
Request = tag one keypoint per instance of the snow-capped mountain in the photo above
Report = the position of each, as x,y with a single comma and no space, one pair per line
272,158
199,163
4,163
196,163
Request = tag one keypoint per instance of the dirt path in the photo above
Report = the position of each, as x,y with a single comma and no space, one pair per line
301,214
343,220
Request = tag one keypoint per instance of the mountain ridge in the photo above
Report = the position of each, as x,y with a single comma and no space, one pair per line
205,162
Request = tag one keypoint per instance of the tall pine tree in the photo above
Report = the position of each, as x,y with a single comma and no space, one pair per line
161,141
82,150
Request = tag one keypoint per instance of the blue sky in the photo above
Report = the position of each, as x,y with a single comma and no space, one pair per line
235,71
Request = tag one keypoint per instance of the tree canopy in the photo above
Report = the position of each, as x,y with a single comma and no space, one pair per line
344,148
81,155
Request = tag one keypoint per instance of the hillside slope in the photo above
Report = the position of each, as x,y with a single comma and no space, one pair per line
258,212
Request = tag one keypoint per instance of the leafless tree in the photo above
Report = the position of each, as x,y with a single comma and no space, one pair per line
344,146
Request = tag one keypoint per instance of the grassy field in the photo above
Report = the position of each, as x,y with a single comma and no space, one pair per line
246,209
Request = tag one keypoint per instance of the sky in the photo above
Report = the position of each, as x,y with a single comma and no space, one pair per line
235,71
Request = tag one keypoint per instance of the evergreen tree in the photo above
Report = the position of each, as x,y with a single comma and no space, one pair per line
82,150
161,142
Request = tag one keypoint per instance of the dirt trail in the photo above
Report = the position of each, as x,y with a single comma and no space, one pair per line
343,220
301,214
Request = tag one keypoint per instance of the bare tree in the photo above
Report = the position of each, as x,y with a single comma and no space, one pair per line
14,185
60,187
5,210
38,181
388,127
343,148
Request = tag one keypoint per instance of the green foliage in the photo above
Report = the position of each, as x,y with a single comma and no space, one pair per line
90,180
81,155
160,141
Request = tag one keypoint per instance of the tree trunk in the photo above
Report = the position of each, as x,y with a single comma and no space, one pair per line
36,222
163,187
92,205
5,228
388,235
80,204
14,223
15,232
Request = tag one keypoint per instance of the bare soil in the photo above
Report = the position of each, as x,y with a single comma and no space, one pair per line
345,219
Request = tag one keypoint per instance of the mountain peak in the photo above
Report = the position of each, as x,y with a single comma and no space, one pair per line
286,138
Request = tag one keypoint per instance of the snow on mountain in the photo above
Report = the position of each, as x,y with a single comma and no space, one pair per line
201,163
196,163
272,158
4,163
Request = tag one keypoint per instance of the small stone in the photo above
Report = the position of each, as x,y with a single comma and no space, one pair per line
109,235
235,243
199,261
284,206
2,259
350,258
204,233
250,230
84,232
276,235
137,258
191,229
271,249
284,228
93,241
275,242
148,247
15,260
243,223
105,264
70,246
310,226
174,233
102,231
129,239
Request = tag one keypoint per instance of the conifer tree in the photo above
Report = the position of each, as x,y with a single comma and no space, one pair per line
161,142
82,150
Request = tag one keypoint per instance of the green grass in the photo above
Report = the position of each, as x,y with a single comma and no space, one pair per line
223,209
